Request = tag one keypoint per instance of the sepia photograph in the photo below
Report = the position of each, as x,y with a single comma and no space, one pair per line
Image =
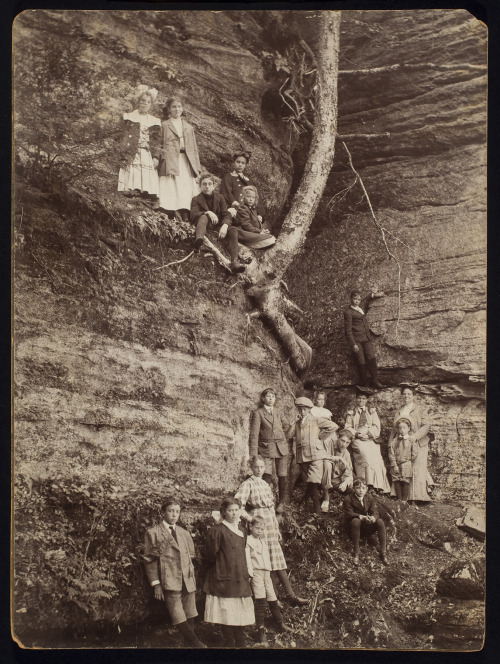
249,329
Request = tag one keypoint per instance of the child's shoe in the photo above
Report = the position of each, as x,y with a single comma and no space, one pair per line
355,559
262,638
325,506
236,266
383,557
198,243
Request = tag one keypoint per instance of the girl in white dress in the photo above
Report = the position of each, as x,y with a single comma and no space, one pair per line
140,148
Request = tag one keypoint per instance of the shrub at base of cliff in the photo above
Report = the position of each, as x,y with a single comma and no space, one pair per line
78,556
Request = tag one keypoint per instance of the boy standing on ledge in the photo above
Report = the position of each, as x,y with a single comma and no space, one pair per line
358,335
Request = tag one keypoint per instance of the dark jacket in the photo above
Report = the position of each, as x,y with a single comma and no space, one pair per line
267,434
129,140
171,146
232,189
199,206
353,507
224,555
355,324
246,219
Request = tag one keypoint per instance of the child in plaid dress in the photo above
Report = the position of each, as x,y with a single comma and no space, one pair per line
257,493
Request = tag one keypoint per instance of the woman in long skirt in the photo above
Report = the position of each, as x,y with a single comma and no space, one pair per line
179,161
421,481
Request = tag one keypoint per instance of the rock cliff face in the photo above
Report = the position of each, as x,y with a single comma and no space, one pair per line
414,123
155,373
131,375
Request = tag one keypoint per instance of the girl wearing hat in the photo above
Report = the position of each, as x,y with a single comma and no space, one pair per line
402,453
251,231
233,183
140,147
421,481
179,162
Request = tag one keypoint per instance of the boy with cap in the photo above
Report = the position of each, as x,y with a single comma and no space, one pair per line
359,337
310,449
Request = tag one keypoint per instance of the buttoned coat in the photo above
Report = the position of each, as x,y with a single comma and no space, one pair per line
199,206
308,443
267,433
356,328
232,186
171,146
225,557
372,421
353,506
168,561
130,132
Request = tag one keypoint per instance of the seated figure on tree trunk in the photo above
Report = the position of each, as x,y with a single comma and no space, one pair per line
251,231
359,337
209,207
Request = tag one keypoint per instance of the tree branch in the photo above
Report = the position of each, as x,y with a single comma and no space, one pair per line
413,67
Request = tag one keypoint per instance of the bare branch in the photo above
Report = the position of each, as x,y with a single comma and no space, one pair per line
174,262
414,67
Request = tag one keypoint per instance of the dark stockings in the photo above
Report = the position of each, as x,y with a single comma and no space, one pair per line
187,630
356,534
281,489
233,636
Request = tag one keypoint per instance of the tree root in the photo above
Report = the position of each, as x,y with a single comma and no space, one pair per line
272,305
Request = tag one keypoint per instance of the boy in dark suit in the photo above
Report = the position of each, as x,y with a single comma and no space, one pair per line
358,335
168,551
362,517
210,207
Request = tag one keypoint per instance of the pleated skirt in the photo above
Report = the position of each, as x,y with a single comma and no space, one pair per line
140,175
236,611
255,240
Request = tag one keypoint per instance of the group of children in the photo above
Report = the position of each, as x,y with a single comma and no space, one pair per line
237,564
160,161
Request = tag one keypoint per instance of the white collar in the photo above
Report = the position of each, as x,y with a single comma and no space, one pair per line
142,118
268,408
168,525
357,309
233,527
240,175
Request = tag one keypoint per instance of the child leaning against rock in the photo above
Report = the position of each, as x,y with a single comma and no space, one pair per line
168,551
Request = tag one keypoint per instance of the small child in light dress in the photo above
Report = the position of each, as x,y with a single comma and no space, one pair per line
261,582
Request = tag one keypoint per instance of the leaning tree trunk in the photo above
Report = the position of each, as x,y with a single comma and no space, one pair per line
265,277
